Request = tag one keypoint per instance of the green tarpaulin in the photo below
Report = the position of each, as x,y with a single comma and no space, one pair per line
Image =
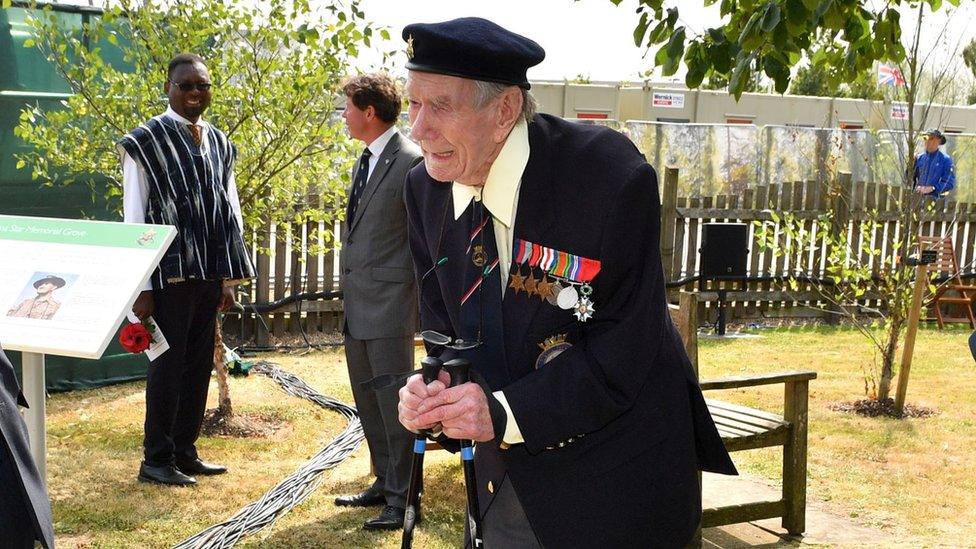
27,78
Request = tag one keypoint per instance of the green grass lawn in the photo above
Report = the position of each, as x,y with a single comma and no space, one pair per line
912,477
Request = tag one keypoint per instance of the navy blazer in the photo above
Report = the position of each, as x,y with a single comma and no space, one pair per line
615,427
15,446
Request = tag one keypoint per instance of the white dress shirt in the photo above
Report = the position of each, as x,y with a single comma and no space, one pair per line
376,149
135,183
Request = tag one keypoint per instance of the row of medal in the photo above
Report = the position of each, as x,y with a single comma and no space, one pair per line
565,281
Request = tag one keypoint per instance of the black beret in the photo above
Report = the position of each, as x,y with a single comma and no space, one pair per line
471,47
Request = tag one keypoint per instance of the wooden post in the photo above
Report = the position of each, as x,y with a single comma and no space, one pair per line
280,284
669,214
688,305
263,292
921,281
795,457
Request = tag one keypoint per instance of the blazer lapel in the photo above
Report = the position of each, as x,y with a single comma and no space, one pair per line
379,172
533,221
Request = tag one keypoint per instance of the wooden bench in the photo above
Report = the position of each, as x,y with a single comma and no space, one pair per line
744,428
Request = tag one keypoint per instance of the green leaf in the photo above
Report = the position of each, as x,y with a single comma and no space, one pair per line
771,17
640,30
6,4
750,37
29,43
21,164
741,74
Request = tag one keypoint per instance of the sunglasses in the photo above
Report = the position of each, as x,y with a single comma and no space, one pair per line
188,86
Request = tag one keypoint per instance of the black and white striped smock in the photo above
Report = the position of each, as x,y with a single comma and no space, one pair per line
188,189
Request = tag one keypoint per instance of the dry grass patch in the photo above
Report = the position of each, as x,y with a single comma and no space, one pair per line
912,477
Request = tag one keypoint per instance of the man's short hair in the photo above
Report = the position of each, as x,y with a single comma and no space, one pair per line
183,59
375,90
486,92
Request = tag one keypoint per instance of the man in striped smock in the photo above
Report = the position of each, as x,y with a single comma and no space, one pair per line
178,170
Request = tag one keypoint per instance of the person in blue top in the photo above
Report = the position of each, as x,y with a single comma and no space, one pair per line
934,173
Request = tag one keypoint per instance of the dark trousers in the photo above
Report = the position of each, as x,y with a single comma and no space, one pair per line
177,383
16,520
390,444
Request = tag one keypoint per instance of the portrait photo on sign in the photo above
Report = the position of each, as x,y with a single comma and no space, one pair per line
42,296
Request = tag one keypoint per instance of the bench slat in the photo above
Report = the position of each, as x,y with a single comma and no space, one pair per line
728,418
765,440
727,408
731,431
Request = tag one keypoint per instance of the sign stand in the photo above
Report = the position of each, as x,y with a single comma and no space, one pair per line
33,369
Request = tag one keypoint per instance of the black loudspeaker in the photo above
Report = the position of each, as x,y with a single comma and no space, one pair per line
724,250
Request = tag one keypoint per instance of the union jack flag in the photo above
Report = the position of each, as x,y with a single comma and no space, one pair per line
890,76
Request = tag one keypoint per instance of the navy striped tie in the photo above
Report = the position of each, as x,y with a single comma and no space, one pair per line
358,185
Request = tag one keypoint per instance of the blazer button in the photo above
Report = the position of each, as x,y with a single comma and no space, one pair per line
491,488
347,271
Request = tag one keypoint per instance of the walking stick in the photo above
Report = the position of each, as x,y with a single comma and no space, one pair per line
458,368
430,368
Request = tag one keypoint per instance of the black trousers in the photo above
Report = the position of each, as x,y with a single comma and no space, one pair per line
177,383
16,521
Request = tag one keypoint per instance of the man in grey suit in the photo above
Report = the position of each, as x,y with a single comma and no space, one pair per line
379,289
25,512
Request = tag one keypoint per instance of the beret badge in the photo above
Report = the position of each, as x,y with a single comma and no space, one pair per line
410,47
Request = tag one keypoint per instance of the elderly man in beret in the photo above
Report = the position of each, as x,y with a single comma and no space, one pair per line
540,241
43,305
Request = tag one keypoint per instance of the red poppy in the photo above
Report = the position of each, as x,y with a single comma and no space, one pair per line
135,338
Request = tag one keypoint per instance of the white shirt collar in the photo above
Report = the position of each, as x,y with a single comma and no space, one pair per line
175,116
501,187
378,144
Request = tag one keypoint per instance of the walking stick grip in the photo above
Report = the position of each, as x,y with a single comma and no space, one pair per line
460,370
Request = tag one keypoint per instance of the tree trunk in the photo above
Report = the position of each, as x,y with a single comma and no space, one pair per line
888,358
224,408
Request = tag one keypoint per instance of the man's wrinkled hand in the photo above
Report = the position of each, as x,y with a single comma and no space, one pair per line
144,305
462,412
413,394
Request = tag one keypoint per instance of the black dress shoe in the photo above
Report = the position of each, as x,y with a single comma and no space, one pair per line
166,474
372,496
391,518
198,467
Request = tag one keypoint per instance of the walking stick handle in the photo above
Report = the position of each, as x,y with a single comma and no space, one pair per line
430,367
460,370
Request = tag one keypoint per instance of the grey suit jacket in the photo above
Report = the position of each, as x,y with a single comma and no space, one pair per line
14,443
377,278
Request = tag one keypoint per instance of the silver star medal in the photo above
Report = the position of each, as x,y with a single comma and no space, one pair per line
584,309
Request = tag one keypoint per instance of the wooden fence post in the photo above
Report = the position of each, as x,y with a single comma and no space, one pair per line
263,284
669,214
